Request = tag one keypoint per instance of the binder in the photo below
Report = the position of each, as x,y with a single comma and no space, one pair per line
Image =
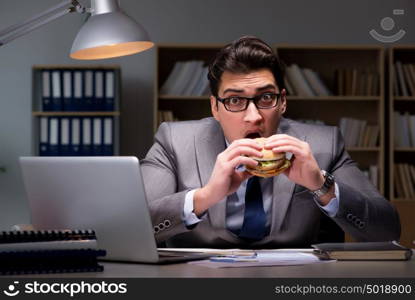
77,91
88,91
86,144
68,103
64,147
46,91
97,137
108,148
98,100
75,145
56,101
49,251
109,91
53,136
44,136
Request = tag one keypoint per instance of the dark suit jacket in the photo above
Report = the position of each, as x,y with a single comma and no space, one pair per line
183,156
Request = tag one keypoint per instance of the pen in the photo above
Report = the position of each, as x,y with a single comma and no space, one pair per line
233,259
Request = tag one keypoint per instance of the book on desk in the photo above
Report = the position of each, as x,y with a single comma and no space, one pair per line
390,250
49,251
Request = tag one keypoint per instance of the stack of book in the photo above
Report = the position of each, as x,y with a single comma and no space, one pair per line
404,129
355,82
51,251
404,181
404,83
357,133
187,78
305,82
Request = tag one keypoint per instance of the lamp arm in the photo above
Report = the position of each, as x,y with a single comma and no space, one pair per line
12,32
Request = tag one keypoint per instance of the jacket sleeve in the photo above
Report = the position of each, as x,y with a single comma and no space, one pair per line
363,212
159,174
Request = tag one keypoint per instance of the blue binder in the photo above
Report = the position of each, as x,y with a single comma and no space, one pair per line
64,145
109,91
43,136
46,91
86,137
87,103
97,136
78,90
56,100
98,100
108,147
53,136
67,82
75,144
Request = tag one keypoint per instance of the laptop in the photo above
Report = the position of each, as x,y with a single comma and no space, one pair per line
105,194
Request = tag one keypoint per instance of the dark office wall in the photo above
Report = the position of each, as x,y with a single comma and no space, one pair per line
167,21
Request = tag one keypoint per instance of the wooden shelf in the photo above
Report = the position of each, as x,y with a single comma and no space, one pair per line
401,98
172,97
411,149
363,149
335,98
404,200
76,113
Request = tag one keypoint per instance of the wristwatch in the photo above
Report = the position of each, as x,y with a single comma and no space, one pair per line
328,183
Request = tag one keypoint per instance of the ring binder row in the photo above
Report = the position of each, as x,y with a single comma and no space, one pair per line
45,235
50,261
76,136
78,90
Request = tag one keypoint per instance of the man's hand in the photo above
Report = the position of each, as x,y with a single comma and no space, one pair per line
225,180
304,169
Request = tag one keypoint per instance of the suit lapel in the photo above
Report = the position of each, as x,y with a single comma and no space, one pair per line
282,187
208,145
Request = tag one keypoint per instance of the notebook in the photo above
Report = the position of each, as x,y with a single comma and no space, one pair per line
32,252
390,250
105,194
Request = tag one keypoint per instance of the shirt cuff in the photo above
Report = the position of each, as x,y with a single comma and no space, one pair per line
332,207
189,217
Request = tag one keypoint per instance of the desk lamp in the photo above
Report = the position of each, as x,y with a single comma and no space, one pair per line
107,33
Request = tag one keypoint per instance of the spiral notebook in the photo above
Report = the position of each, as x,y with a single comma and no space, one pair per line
49,251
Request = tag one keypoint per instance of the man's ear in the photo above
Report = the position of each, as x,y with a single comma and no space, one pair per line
283,104
214,107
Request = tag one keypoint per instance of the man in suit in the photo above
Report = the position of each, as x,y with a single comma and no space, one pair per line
199,196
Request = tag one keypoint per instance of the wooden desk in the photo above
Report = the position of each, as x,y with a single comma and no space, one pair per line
350,269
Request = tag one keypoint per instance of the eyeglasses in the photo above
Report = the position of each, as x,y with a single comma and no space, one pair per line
263,101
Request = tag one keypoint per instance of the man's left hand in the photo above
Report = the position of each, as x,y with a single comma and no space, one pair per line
304,169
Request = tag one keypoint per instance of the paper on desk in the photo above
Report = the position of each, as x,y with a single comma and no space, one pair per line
267,258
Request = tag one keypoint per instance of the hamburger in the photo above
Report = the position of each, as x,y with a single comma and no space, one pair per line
270,164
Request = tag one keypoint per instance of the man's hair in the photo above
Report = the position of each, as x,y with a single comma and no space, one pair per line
244,55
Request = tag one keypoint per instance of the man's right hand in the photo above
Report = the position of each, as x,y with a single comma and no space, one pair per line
225,180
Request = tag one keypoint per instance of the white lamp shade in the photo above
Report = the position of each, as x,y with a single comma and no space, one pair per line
109,35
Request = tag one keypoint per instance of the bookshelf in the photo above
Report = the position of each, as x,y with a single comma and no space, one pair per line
401,65
75,110
344,71
183,105
355,76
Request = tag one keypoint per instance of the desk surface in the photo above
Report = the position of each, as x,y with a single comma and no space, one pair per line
373,269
